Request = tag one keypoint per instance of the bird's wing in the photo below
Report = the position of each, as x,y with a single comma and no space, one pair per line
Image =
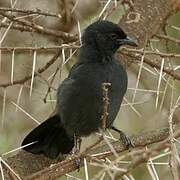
67,92
79,103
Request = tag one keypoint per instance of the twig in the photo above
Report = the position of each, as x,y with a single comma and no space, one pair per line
93,145
3,108
40,70
40,48
50,84
174,155
168,38
40,29
26,11
150,62
161,54
46,81
169,71
106,104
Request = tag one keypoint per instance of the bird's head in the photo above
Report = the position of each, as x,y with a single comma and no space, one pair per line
106,37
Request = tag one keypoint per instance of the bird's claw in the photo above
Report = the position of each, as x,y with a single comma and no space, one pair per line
78,163
126,140
76,153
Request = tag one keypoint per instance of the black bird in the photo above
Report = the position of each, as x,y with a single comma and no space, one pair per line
80,96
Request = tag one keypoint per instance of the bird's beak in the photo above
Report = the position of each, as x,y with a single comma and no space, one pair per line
128,41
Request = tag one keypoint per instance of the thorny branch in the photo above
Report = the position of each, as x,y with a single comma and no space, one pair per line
39,71
168,38
153,64
28,12
174,155
43,48
106,104
101,152
141,52
134,53
40,29
144,156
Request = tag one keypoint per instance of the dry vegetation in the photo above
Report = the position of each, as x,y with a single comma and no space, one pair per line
39,42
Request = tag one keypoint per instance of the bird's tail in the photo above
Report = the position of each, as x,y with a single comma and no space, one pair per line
50,139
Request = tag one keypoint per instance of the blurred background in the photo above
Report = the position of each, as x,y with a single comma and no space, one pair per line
151,93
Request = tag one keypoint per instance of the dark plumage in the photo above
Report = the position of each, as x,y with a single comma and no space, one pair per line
80,96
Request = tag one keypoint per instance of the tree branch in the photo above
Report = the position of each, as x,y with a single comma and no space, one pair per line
39,71
153,64
27,12
30,26
40,167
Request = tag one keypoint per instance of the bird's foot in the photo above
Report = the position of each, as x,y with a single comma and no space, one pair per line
76,150
124,138
76,153
78,164
77,142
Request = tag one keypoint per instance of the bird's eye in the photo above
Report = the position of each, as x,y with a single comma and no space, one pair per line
113,36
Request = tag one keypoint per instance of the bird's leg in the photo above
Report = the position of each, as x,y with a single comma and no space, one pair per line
79,141
125,139
77,144
75,141
76,150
